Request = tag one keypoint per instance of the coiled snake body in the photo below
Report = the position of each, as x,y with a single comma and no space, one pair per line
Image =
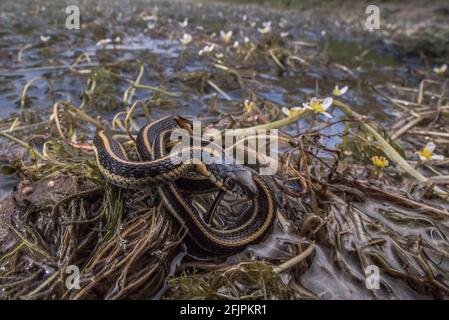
157,168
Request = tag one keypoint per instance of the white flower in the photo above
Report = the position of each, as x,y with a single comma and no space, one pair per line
339,91
283,23
104,42
186,39
245,17
249,105
292,112
440,70
253,24
207,49
236,44
284,34
219,55
184,23
151,25
266,27
226,36
117,39
150,18
319,105
45,38
426,153
246,39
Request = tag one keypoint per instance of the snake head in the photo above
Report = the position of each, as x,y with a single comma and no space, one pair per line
241,182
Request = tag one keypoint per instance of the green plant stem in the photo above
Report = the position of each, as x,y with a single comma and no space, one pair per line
84,116
36,153
390,151
272,125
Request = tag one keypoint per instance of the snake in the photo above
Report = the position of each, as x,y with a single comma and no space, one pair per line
157,169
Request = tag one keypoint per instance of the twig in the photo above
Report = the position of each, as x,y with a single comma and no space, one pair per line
213,85
294,261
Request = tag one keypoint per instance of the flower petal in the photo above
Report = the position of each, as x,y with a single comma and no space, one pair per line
328,115
343,90
437,157
327,102
430,146
286,111
306,106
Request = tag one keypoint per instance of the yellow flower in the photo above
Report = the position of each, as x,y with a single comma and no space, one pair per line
380,161
339,91
440,70
426,153
249,105
319,105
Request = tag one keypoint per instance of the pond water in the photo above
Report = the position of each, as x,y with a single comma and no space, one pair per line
143,39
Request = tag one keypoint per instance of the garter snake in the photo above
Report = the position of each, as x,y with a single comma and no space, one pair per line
156,168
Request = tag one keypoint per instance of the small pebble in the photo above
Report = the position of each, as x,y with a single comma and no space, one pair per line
27,190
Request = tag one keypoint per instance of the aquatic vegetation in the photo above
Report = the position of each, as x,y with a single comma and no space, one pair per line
249,105
440,70
44,38
336,215
319,106
186,39
185,23
339,91
292,111
266,27
426,153
207,49
380,161
226,35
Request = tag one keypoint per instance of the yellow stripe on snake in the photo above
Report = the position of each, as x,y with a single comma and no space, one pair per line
158,168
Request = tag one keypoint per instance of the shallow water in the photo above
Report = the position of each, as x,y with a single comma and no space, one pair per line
164,57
